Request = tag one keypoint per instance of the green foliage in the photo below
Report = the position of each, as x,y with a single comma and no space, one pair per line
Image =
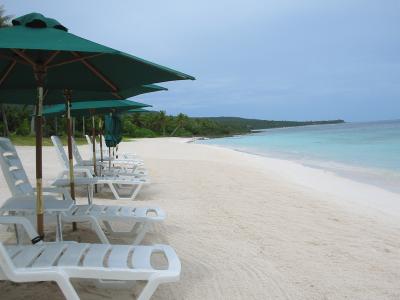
236,124
31,140
144,132
23,128
4,19
153,124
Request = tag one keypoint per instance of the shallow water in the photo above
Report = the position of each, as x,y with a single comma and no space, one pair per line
369,152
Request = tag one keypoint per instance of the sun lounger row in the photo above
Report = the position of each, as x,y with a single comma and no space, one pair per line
59,261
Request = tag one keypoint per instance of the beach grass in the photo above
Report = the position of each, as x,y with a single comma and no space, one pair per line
30,140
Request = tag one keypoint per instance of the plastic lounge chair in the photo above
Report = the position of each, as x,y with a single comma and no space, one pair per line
22,192
85,177
122,155
114,171
125,159
61,261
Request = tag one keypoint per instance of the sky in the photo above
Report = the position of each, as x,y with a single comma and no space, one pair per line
267,59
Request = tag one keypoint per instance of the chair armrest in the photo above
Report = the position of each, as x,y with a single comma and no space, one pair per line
57,190
16,220
86,171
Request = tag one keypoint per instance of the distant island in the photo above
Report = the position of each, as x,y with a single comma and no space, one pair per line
159,124
16,121
237,125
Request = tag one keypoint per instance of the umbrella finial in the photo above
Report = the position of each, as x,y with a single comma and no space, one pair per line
37,20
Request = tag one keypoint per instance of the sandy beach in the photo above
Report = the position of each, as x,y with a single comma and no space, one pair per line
250,227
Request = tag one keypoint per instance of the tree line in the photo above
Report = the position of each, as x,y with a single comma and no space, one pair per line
17,120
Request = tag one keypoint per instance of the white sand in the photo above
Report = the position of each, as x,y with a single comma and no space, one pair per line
247,227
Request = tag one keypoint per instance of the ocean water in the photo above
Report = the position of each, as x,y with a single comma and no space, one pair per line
368,152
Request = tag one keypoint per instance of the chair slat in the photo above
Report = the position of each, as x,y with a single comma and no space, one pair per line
126,211
112,210
72,255
119,256
141,257
95,256
49,255
97,210
27,256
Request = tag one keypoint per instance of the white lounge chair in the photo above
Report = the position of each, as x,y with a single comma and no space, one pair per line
84,176
122,155
124,159
62,261
116,170
23,196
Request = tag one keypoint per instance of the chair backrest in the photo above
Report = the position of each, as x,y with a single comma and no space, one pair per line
62,156
13,171
103,142
88,139
76,153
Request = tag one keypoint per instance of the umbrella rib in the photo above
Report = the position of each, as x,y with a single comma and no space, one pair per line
13,59
68,61
117,95
24,56
96,72
55,53
9,69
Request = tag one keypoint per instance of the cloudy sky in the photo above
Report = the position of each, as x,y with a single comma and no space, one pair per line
270,59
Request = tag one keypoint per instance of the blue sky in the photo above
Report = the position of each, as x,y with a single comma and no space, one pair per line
297,60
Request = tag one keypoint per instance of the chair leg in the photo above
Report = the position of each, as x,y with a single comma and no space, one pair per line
140,235
114,191
67,289
136,191
138,231
148,290
99,231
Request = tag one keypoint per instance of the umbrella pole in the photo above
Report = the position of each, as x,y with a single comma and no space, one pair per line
109,158
83,126
109,154
101,139
94,149
67,95
101,144
39,160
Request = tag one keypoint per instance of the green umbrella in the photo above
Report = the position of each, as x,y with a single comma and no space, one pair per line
113,130
38,52
92,108
53,96
86,108
137,110
25,96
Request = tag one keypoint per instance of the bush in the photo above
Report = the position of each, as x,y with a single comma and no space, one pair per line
144,132
183,132
129,128
24,128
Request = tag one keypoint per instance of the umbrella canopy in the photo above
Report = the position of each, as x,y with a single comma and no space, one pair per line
137,110
70,62
25,96
89,108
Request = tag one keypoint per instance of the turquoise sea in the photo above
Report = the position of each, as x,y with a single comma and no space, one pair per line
368,152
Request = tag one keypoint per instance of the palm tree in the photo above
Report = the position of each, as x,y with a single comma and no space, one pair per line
4,22
162,118
181,121
4,19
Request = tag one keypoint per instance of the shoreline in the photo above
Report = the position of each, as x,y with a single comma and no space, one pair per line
339,185
368,175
